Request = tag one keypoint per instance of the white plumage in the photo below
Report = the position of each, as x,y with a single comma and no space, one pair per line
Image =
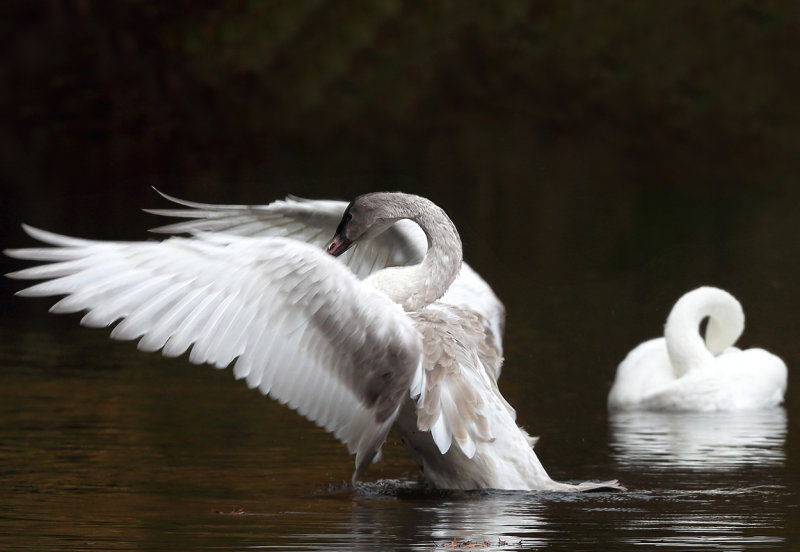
394,333
683,372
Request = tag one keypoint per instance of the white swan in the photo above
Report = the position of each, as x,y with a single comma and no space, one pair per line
404,335
681,372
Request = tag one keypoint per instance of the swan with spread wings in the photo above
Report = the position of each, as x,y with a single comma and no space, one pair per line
396,333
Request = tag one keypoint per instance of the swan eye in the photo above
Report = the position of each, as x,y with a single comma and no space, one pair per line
346,218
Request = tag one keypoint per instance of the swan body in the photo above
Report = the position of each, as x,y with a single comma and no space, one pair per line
395,333
683,372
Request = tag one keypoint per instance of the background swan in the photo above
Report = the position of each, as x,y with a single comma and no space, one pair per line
402,334
681,371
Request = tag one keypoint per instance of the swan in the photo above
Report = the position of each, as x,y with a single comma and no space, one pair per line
682,372
395,333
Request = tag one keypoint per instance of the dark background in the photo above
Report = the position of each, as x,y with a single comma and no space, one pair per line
506,107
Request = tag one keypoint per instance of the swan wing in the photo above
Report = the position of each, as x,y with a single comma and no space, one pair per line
459,367
737,379
298,324
314,221
646,370
308,220
687,395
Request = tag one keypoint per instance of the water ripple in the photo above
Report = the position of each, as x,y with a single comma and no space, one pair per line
709,441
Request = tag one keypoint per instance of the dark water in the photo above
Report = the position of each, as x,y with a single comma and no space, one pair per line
599,160
104,448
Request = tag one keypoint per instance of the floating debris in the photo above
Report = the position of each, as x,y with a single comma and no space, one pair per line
470,544
236,512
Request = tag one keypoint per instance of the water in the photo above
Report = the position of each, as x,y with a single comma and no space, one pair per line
706,441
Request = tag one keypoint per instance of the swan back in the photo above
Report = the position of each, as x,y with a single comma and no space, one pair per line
748,379
686,348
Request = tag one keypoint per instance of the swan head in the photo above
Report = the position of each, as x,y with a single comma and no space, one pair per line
367,216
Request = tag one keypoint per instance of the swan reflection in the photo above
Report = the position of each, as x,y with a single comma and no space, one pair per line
476,517
708,440
496,516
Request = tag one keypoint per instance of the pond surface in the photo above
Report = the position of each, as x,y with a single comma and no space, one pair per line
104,448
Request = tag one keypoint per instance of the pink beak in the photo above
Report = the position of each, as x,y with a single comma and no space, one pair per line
338,245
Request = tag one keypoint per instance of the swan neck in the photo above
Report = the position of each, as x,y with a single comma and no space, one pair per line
415,287
686,348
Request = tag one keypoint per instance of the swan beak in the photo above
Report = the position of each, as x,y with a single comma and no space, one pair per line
338,245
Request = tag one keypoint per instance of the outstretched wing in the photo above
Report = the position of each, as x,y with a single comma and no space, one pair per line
311,221
315,221
298,324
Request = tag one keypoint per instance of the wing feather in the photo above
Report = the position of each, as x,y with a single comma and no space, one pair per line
457,360
298,324
310,221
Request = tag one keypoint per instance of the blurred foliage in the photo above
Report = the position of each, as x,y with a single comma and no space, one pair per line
130,79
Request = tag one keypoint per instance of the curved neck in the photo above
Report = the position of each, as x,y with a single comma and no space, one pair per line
685,346
415,287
